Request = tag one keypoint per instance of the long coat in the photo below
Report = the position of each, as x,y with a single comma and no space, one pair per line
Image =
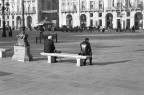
49,46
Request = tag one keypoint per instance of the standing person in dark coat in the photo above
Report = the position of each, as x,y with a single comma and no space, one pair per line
133,28
86,50
41,29
10,31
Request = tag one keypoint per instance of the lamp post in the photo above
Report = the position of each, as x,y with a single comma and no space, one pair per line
23,20
22,47
51,7
3,8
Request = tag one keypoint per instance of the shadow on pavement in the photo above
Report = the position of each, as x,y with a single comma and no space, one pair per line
37,59
71,61
113,62
139,50
4,73
10,53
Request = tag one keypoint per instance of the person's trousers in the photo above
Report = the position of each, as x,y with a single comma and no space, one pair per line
90,59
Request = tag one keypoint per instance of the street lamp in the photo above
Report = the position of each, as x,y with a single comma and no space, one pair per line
4,7
22,47
23,20
22,37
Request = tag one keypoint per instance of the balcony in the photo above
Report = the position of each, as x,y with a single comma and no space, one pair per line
69,11
83,10
30,12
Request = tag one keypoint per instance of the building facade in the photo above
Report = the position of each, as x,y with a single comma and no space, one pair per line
34,12
105,13
13,15
48,10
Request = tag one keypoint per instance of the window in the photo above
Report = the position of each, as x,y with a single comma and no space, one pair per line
13,17
28,8
118,14
74,7
91,5
128,14
118,4
100,14
100,22
34,10
7,17
91,22
100,4
12,24
83,5
91,14
128,23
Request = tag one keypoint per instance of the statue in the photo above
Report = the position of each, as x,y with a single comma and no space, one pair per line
21,39
22,48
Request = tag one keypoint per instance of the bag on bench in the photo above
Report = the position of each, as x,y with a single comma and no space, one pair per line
81,53
57,51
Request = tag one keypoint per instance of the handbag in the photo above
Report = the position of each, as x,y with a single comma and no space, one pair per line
81,53
57,51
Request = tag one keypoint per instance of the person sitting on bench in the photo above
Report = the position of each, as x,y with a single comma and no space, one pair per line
86,50
49,46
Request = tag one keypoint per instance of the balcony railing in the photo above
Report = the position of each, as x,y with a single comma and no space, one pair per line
19,12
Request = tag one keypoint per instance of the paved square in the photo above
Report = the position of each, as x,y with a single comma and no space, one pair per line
118,68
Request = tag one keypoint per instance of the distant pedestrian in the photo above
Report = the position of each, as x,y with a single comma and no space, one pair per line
133,28
103,29
10,31
41,29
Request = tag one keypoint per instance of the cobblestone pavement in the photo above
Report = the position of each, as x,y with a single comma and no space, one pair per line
118,60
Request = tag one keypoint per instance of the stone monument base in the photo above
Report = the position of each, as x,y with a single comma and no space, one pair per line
22,53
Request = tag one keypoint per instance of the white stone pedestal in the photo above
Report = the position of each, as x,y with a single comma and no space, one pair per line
22,53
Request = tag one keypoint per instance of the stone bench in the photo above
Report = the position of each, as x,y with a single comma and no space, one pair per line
3,52
79,58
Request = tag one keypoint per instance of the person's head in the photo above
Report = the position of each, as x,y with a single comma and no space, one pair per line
87,39
50,37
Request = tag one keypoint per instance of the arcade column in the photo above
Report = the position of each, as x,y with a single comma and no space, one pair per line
114,19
